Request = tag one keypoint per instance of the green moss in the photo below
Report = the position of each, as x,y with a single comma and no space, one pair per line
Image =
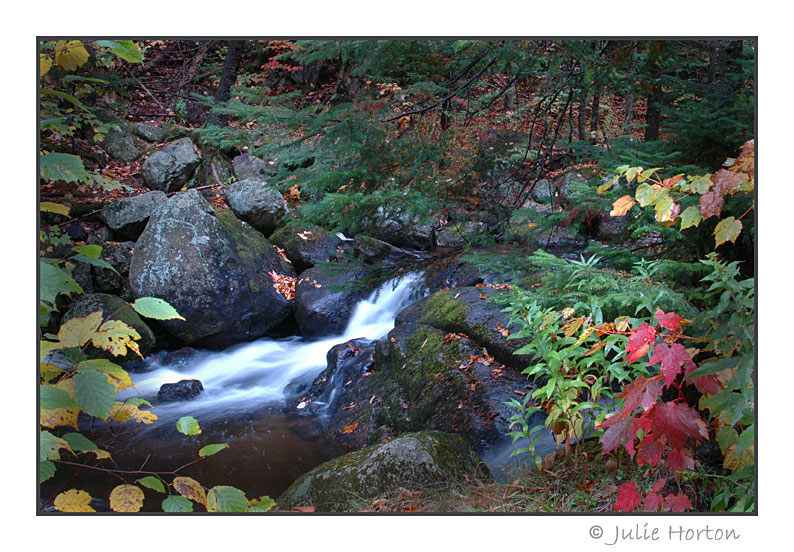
442,310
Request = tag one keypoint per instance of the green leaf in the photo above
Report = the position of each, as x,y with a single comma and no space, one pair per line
93,251
746,439
80,78
64,96
135,401
96,262
53,280
62,166
153,307
262,505
151,482
51,397
645,195
46,470
701,184
728,230
175,503
93,393
49,446
79,442
646,174
125,49
224,498
607,185
209,450
188,425
690,217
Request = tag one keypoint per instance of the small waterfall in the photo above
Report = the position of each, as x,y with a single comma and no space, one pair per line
247,377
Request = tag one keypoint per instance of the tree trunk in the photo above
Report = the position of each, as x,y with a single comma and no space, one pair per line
582,112
596,104
630,95
231,67
654,94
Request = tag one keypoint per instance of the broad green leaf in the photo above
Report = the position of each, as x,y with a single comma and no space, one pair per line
50,207
726,437
607,185
224,498
81,78
190,488
264,504
93,393
644,195
51,397
118,375
53,281
50,445
135,401
80,442
45,64
646,174
46,470
632,172
746,439
188,425
690,217
727,229
209,450
62,166
701,184
79,331
126,498
153,307
96,262
125,49
73,500
151,482
70,55
176,503
93,251
64,96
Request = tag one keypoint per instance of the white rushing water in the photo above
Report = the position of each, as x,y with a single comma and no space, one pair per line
249,376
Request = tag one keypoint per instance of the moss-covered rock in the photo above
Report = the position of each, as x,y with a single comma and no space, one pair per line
110,304
213,268
411,461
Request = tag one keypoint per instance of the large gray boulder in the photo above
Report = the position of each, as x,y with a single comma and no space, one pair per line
247,166
324,300
258,203
120,145
112,305
213,268
170,168
395,225
128,217
150,133
412,461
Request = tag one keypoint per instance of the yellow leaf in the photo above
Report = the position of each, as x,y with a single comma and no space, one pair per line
190,489
46,347
621,206
59,417
122,412
77,331
49,371
73,500
70,55
45,63
115,337
126,498
737,463
50,207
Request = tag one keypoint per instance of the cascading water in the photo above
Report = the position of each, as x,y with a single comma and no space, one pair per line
245,388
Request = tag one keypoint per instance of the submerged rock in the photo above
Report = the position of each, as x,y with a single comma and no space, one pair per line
183,390
411,461
170,168
213,269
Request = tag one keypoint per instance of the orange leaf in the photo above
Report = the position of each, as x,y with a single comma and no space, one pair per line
350,429
621,206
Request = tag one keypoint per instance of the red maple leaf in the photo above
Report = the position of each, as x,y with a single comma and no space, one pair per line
677,503
711,204
707,385
671,359
677,421
659,485
639,341
650,450
670,320
641,392
628,498
653,501
679,460
621,431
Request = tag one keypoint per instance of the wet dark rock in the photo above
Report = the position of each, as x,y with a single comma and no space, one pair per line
306,245
459,234
258,203
395,225
325,298
180,357
183,390
247,166
76,232
452,273
213,269
372,251
128,217
170,168
94,278
412,461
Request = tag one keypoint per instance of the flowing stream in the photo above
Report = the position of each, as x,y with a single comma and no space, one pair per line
242,405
